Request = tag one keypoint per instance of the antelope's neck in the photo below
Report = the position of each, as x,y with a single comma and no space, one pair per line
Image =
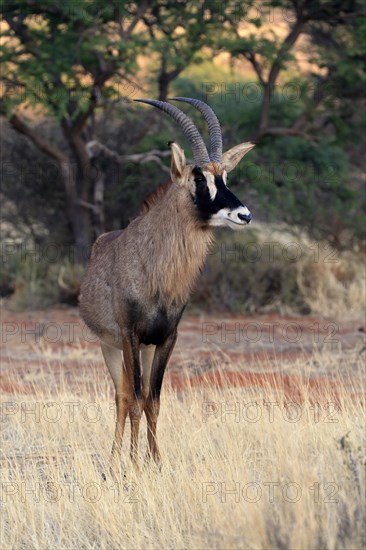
173,246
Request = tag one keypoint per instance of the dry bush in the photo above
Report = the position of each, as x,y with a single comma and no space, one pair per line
276,267
32,282
334,286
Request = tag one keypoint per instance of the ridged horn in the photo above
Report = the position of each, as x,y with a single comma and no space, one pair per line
213,126
200,154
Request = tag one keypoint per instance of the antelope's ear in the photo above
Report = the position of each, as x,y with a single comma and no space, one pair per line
234,155
178,161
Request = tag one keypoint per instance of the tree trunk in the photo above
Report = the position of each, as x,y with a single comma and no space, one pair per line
268,86
163,83
79,216
166,77
79,211
99,224
83,234
266,103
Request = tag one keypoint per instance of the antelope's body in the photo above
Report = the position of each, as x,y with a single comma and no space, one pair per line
139,280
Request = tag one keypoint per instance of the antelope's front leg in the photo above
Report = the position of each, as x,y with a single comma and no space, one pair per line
152,404
132,390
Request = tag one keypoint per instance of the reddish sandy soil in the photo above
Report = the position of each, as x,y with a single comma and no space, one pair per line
248,351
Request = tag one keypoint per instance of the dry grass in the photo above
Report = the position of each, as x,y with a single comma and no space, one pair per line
332,283
292,479
334,286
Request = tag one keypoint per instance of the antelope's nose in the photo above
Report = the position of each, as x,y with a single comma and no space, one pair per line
245,217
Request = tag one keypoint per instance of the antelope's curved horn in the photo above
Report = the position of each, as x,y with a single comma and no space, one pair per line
213,126
200,154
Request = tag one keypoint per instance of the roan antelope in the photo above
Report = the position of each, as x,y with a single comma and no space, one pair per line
139,279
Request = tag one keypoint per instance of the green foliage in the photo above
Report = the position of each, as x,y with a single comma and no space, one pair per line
63,50
286,178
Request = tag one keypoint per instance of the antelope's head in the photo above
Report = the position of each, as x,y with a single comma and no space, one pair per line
206,179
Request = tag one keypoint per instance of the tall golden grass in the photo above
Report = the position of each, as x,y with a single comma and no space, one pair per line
242,467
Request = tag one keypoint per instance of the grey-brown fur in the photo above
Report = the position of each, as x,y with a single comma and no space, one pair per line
139,280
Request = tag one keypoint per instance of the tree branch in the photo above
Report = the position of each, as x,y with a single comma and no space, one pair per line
275,69
19,29
287,44
21,127
251,57
94,148
142,7
279,131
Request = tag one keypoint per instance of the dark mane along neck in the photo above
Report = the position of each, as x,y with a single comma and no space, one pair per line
154,197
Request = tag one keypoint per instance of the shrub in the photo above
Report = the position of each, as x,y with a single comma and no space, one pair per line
281,269
32,282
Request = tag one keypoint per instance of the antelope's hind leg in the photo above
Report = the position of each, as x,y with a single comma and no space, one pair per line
147,357
132,390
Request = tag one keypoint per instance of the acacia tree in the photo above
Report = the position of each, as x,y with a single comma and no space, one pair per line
335,29
69,59
74,58
178,32
331,25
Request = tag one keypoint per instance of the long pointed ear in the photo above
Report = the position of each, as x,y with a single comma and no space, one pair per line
178,161
234,155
